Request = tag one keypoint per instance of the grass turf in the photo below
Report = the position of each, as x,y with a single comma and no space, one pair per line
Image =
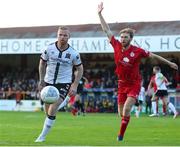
22,128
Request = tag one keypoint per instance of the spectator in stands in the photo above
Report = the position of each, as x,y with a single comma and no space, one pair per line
114,97
18,97
127,59
178,87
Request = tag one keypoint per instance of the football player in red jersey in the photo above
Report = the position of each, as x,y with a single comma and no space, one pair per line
154,101
127,59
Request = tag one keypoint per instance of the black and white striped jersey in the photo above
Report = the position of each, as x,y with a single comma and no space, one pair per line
60,64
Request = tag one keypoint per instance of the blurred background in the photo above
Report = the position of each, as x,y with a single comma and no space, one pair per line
20,49
28,26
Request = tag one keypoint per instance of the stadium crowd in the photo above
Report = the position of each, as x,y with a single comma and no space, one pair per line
99,93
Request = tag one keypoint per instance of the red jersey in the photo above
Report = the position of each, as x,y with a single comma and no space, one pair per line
154,83
128,61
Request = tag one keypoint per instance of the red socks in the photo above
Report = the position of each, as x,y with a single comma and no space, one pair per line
164,109
124,124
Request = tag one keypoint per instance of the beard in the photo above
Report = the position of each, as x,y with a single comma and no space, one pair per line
125,45
63,42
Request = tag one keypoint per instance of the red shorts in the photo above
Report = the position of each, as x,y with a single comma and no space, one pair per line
72,100
128,90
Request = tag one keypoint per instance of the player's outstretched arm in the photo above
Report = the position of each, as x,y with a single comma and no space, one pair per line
104,25
171,64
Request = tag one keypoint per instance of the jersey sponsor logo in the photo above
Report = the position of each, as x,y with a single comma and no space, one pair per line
77,57
124,64
60,60
52,52
125,59
68,55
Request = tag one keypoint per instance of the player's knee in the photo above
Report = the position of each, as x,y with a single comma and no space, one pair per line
126,111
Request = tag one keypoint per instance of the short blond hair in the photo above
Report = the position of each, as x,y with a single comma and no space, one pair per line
129,31
63,28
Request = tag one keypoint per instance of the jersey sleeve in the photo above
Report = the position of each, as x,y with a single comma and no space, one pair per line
144,53
115,44
44,55
77,59
160,76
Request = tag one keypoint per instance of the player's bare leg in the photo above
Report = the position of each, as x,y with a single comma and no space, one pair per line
164,104
171,107
46,107
126,116
128,106
51,111
120,110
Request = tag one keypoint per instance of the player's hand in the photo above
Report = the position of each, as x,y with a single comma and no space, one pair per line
173,65
72,90
100,7
41,84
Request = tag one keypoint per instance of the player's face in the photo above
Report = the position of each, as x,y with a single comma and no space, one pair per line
63,36
154,70
125,39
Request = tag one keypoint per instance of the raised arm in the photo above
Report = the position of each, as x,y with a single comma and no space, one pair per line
104,25
171,64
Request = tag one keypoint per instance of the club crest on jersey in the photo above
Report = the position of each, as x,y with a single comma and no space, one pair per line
132,54
125,59
68,55
77,57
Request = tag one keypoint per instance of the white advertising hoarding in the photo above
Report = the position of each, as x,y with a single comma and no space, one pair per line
169,43
26,105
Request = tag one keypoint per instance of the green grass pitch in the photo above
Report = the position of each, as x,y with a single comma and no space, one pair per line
22,128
